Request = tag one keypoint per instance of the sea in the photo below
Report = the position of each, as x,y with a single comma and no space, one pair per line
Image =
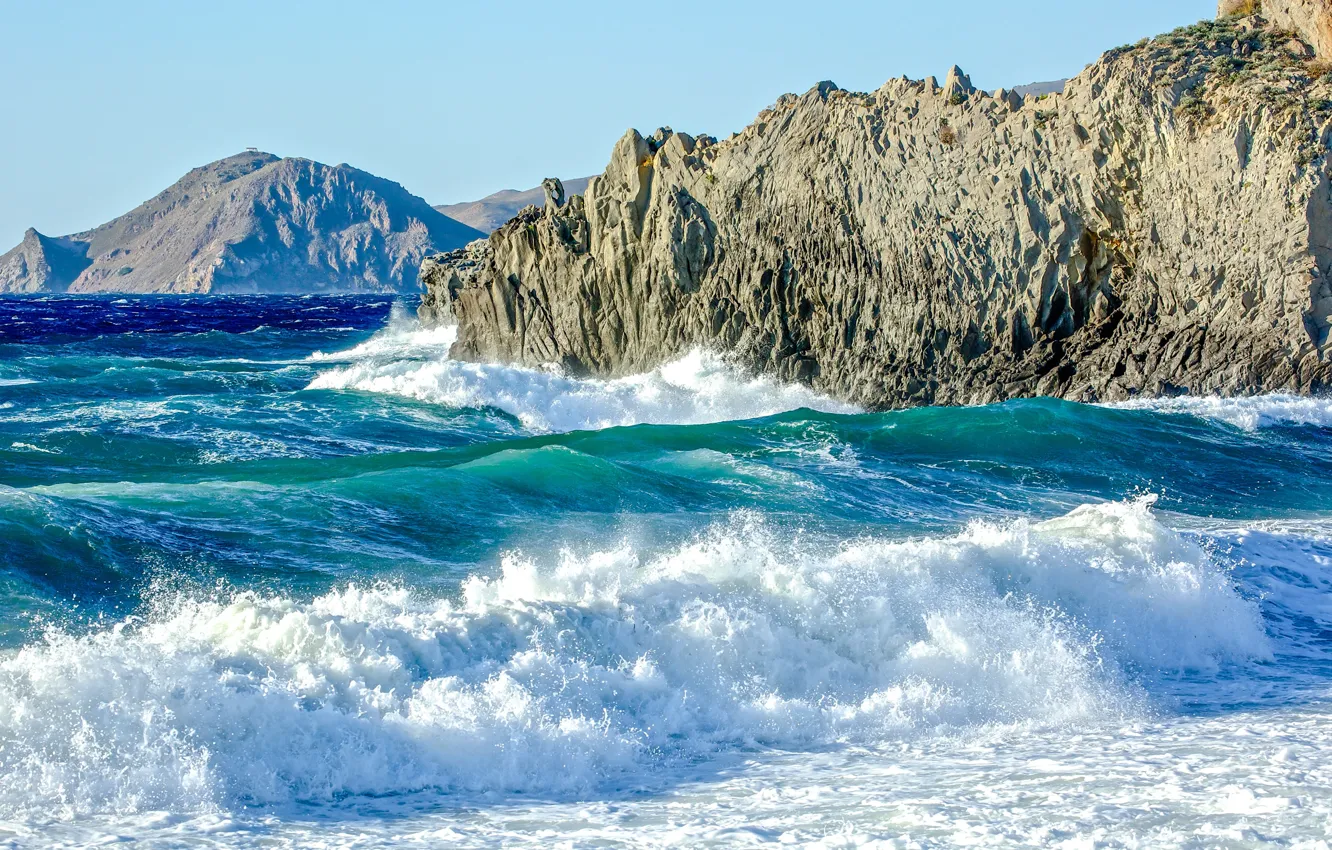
277,572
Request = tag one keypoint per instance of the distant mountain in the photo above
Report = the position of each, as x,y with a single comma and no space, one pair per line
42,264
492,211
1038,89
253,222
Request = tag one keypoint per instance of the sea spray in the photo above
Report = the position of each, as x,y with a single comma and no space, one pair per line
402,337
696,388
568,670
235,611
1249,413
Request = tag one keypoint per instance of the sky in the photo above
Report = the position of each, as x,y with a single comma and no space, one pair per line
107,104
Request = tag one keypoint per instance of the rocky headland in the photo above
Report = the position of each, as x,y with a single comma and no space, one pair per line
253,222
1162,226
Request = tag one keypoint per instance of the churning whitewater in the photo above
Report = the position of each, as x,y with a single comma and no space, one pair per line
696,389
279,571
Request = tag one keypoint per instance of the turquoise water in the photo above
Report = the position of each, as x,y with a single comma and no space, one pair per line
276,570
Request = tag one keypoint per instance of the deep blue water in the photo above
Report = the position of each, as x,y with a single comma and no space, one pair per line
222,516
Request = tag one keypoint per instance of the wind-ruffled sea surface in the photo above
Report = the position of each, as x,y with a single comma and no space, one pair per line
277,572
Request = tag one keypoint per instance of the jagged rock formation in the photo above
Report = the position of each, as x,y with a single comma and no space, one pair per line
491,212
248,223
1163,226
1312,19
42,264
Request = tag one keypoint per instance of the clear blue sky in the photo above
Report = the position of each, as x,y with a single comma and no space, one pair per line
107,103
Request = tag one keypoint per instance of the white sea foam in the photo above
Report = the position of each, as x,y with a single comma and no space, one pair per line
403,337
563,672
1249,413
29,447
698,388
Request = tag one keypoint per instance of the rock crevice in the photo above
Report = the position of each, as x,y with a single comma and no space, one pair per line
1160,227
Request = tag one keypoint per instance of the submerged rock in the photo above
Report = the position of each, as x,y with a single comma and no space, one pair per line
1163,226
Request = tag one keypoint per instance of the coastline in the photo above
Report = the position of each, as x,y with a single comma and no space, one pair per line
1158,229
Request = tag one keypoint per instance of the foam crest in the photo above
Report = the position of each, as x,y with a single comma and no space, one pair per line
698,388
403,336
1249,413
562,672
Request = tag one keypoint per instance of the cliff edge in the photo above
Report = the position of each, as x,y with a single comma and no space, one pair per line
1163,226
1311,19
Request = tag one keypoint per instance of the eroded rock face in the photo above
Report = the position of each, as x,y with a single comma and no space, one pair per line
1312,19
1163,226
42,264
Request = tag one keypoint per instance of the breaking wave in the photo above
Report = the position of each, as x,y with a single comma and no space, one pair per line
402,337
1250,413
696,389
567,670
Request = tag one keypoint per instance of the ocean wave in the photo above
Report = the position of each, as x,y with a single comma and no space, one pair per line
29,447
566,670
1249,413
402,337
408,360
1288,563
696,389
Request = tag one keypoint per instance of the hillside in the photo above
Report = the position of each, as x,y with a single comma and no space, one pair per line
253,222
492,211
1038,89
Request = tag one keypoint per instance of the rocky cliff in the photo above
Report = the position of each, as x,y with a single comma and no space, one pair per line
248,223
1163,226
1312,19
42,264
